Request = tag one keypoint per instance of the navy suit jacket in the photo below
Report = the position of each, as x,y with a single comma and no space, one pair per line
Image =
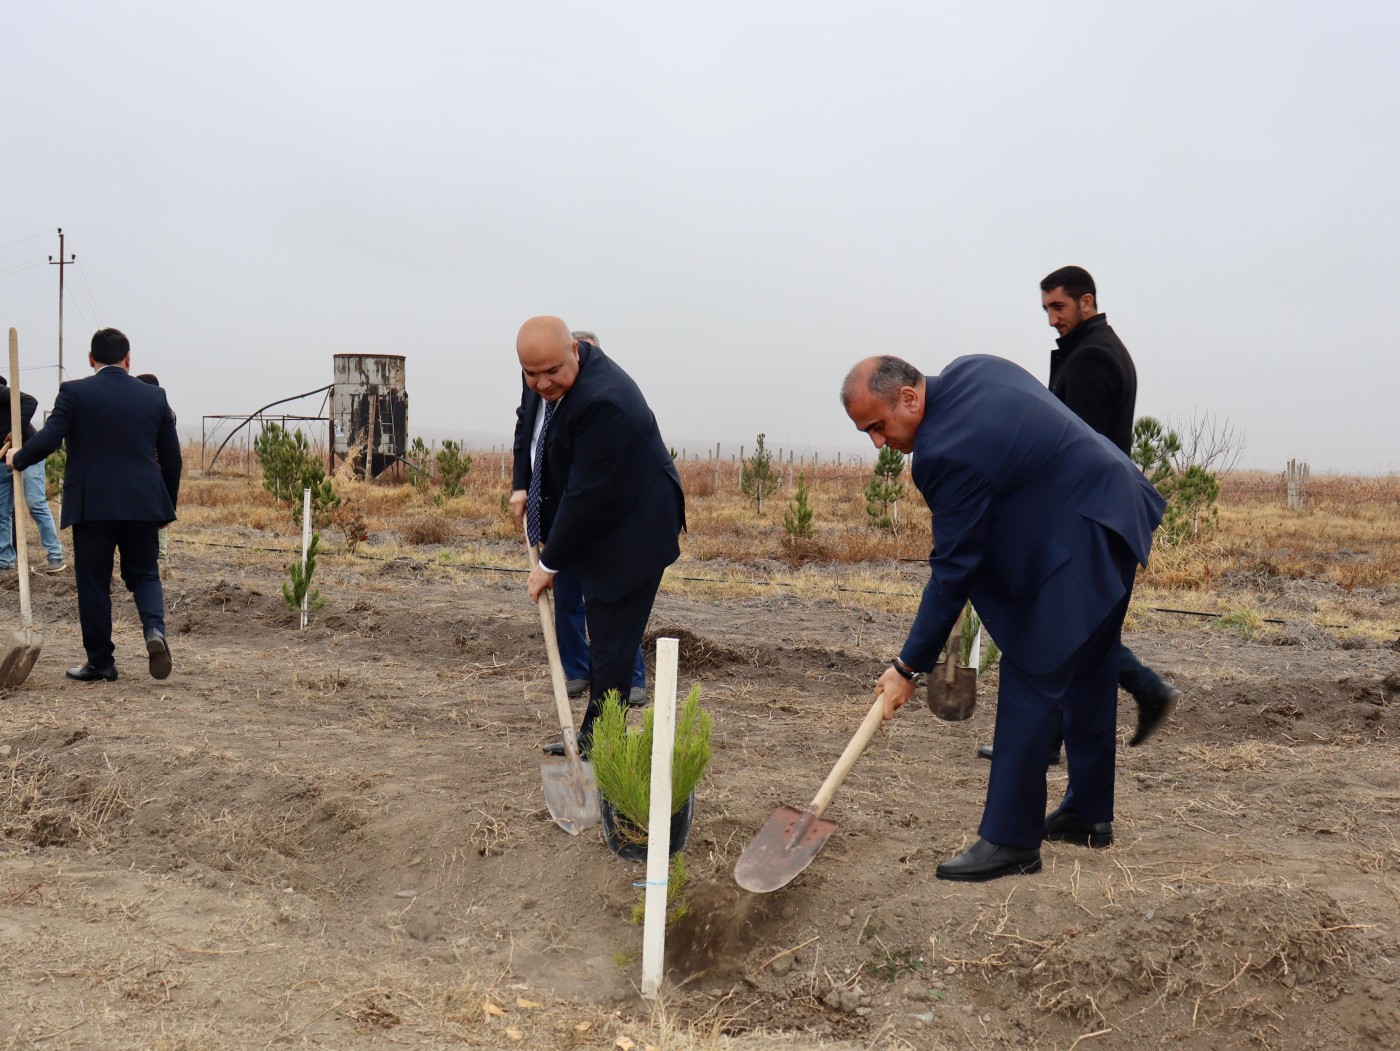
123,452
1026,499
611,505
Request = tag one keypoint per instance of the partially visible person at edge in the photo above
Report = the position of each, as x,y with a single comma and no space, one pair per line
570,624
1052,597
119,487
1093,374
35,483
601,494
163,545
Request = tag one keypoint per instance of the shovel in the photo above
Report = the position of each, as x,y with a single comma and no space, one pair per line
23,648
570,790
788,843
952,691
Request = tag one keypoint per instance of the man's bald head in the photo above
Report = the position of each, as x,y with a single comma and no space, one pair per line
884,397
548,356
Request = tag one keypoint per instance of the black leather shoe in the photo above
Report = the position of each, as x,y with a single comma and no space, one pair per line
557,748
87,673
159,652
987,860
1067,827
984,751
576,687
1153,710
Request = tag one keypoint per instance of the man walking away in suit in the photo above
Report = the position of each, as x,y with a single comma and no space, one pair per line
569,621
603,496
120,487
1052,597
35,484
1093,374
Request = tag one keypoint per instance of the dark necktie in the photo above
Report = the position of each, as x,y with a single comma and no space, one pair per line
532,498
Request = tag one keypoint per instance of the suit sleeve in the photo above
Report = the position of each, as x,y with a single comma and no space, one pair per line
594,496
1093,387
520,466
51,436
959,497
168,453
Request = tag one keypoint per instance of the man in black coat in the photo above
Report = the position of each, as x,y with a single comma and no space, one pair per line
1093,374
120,487
569,621
603,496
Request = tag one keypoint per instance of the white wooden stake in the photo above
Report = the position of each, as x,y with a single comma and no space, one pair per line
974,660
663,730
305,547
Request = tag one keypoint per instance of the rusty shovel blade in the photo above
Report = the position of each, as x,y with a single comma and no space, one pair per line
952,701
782,849
18,659
571,793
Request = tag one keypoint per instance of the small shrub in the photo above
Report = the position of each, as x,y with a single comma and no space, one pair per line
622,759
353,525
428,529
759,476
883,491
419,460
797,522
54,466
452,467
299,587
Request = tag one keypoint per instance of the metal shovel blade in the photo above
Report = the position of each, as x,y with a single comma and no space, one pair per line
782,849
953,701
571,793
20,654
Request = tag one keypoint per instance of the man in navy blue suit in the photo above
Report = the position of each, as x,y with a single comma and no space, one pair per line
1042,523
119,488
570,622
603,496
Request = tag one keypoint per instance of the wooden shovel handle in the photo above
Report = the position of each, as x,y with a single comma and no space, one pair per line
556,665
873,718
21,554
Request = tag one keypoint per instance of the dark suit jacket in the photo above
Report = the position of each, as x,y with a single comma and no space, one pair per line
1092,373
611,505
123,452
1026,499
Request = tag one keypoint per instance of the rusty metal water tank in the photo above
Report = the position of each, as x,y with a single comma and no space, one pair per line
369,400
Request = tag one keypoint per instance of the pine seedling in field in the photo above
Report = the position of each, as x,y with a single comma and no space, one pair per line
884,490
797,522
298,587
418,460
452,467
759,477
622,759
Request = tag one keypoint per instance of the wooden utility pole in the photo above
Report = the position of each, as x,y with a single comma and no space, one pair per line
61,262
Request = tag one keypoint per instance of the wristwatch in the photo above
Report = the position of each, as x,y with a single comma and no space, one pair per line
909,673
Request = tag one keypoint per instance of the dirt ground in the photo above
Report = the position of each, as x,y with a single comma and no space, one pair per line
337,838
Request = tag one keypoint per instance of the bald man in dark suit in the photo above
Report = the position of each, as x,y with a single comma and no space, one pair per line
601,493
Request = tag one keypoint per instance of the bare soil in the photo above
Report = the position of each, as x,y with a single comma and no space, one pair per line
337,838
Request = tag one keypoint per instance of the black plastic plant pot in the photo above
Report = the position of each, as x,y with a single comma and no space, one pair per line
630,843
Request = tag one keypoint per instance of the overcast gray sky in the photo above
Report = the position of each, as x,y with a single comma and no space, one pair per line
742,199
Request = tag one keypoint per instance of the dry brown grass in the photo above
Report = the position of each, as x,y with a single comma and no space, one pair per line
1347,537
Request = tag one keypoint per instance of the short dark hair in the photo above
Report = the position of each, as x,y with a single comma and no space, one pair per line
1075,280
885,380
109,346
149,377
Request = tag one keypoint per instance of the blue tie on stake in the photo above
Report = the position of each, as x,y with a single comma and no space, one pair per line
532,496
